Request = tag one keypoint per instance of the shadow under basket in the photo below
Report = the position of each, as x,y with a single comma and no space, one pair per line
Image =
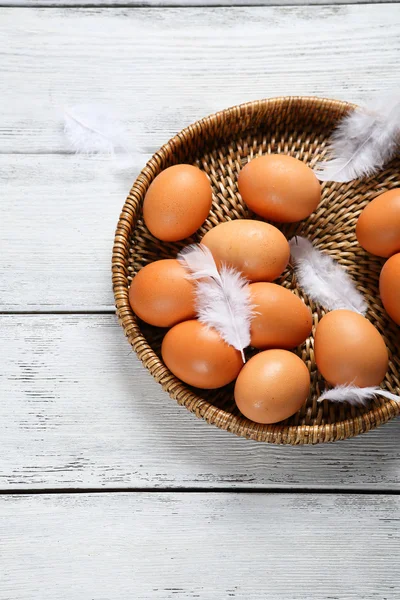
221,145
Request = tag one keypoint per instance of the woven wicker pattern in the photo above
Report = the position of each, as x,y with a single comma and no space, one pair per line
220,145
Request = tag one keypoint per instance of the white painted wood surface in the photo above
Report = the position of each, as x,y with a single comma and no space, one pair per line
78,410
59,214
208,546
162,69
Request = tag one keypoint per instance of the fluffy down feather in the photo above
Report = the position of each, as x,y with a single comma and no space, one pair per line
323,280
222,297
355,395
94,129
364,141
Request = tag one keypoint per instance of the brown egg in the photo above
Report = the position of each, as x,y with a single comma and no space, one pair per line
389,287
198,356
350,350
279,188
258,250
272,386
161,295
281,319
378,226
177,202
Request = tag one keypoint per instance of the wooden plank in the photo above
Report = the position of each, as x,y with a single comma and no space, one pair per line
79,410
208,546
162,69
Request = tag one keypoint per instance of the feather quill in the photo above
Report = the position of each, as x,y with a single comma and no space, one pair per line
323,280
363,142
355,395
222,297
94,129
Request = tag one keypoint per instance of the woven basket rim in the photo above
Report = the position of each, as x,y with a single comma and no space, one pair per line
276,433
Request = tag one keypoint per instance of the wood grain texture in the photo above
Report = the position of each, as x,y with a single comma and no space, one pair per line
59,215
208,546
78,410
162,69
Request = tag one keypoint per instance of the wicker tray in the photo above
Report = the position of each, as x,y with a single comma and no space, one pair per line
221,144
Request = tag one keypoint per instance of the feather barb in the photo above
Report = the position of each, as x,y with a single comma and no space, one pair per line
363,142
323,280
356,396
222,296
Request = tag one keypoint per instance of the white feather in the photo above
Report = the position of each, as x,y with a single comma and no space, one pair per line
323,280
222,297
364,141
94,129
355,395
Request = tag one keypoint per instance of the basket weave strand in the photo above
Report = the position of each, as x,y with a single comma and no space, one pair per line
220,145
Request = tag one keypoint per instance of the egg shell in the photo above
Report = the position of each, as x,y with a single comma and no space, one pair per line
279,188
161,295
198,356
281,319
258,250
389,287
177,202
378,226
350,350
272,386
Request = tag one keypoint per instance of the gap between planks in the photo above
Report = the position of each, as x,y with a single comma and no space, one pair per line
194,490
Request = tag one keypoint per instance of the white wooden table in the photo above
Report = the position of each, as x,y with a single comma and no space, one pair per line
108,489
